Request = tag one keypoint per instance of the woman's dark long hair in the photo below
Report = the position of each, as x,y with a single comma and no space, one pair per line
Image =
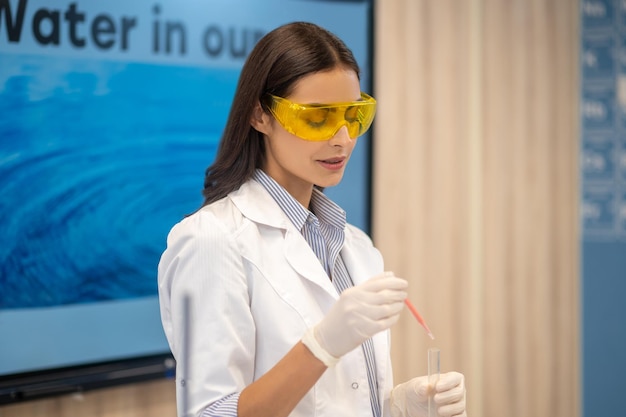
277,62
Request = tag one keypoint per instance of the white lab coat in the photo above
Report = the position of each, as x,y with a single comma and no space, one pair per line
256,286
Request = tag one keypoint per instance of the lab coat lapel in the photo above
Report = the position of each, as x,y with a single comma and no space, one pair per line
361,259
258,205
304,261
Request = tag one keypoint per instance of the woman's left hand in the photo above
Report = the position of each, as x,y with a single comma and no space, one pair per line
411,398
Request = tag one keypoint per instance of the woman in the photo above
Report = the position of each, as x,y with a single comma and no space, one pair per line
290,306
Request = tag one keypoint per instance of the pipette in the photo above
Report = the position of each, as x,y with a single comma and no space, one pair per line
419,317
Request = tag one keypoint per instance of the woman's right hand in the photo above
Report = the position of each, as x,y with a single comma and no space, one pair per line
360,313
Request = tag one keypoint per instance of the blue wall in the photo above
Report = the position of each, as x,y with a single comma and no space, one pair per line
603,208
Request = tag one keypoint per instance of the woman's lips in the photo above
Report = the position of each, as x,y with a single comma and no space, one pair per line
333,163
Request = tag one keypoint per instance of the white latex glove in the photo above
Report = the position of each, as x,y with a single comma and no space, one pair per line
361,312
411,398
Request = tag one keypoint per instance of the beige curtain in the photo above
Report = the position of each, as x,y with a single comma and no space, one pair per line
476,194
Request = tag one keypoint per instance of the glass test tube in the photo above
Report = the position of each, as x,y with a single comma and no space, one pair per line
433,376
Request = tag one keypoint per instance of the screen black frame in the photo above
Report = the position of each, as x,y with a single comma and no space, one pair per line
76,379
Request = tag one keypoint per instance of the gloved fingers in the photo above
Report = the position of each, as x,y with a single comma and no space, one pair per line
361,312
418,389
450,380
382,311
411,398
388,302
381,296
456,409
386,280
450,396
366,298
383,288
390,295
387,322
375,321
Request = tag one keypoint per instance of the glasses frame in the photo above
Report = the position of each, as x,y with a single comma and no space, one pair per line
277,106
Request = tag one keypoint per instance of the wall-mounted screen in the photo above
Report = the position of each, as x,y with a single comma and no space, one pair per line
110,112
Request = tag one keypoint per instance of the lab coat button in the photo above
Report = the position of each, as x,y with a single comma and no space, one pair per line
355,385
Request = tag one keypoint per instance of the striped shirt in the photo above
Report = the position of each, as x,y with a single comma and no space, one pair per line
324,232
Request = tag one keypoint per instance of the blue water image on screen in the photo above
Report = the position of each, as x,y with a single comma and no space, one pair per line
98,160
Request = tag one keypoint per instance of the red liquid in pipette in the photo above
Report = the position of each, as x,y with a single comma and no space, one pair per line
419,317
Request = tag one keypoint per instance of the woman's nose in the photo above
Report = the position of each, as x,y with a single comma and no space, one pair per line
341,137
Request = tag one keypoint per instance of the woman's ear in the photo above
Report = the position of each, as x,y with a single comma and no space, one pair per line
260,120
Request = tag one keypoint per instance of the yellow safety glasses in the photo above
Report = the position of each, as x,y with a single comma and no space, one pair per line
319,122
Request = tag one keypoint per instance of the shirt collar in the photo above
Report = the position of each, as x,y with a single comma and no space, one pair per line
326,210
